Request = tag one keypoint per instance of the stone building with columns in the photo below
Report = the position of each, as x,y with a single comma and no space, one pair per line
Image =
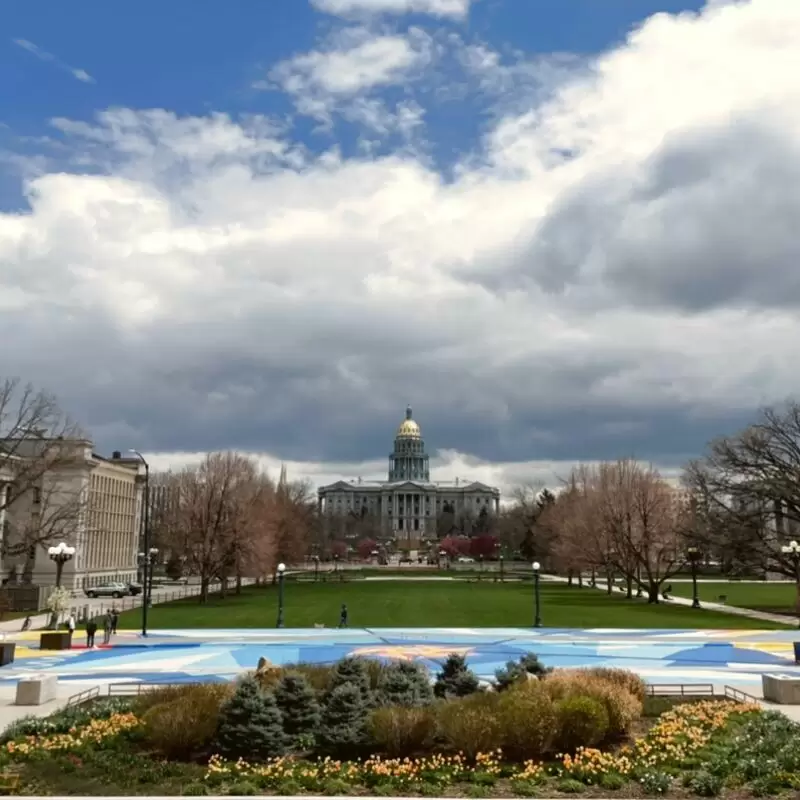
408,504
84,499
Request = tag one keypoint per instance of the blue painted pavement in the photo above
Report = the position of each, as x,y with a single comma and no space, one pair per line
659,656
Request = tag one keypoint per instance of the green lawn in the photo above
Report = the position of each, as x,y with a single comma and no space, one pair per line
418,604
775,597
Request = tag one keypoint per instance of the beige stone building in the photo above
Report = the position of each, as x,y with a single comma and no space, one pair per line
409,503
86,500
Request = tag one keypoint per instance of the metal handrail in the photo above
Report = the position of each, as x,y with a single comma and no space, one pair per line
82,697
680,689
126,688
737,694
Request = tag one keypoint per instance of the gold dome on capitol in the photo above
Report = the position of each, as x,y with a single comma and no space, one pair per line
408,428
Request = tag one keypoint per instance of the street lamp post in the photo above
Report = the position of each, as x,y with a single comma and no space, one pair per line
502,561
152,554
792,553
537,622
145,573
694,556
281,570
60,554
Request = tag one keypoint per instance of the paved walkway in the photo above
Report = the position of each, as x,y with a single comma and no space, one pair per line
99,606
764,616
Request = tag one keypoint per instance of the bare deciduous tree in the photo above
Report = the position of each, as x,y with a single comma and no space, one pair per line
624,519
747,491
34,437
219,521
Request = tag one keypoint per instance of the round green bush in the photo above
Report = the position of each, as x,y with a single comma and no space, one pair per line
580,722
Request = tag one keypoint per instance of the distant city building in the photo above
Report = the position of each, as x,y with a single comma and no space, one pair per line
407,506
86,500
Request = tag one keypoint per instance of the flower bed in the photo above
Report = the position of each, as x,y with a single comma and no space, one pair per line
671,745
361,728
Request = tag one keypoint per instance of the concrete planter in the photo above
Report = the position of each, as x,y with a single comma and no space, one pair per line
55,640
7,651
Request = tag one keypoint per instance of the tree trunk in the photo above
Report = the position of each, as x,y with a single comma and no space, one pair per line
27,568
652,593
204,589
580,580
569,578
609,582
629,587
238,584
223,587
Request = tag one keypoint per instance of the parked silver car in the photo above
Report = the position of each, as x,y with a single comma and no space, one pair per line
108,590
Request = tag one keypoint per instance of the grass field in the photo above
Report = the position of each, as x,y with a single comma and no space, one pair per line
418,604
776,597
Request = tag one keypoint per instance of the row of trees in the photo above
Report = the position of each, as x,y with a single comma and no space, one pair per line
737,506
225,518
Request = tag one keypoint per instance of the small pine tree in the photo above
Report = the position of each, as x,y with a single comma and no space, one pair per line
405,684
456,679
516,671
510,675
352,671
250,724
298,705
531,664
343,725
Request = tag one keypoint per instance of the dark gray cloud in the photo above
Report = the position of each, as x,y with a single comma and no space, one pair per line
708,221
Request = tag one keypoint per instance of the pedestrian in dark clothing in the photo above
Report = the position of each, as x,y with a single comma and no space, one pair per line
343,616
27,623
107,624
114,621
667,592
91,630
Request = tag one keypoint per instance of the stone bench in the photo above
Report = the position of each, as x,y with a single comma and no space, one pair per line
781,689
37,690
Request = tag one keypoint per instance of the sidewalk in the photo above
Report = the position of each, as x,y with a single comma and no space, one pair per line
101,605
764,616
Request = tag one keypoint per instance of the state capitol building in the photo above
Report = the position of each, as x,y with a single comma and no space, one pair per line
408,504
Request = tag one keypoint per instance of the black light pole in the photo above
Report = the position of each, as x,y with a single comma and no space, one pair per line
694,554
60,554
792,552
537,622
501,568
281,570
152,556
146,547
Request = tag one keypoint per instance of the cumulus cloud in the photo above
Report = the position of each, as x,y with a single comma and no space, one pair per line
581,287
356,66
436,8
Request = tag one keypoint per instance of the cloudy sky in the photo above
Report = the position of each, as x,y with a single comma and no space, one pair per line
561,229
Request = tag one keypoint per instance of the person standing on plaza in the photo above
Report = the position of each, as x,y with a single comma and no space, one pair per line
107,626
91,630
114,621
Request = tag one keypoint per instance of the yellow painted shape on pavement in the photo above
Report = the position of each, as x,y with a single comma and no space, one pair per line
775,648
